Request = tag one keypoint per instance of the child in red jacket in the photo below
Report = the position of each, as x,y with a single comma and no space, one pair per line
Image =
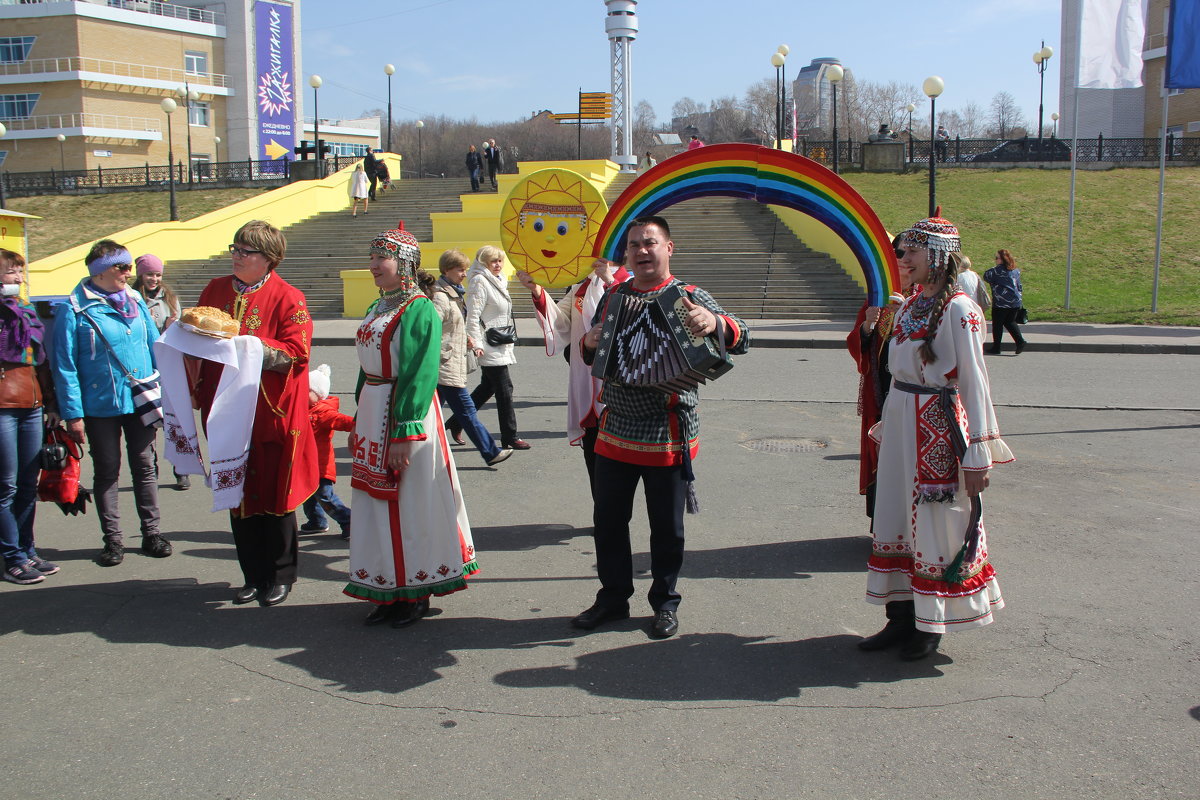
325,417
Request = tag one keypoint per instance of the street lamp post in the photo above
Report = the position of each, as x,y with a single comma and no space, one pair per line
389,70
420,152
1041,58
187,94
62,156
933,88
1054,117
315,82
777,61
784,50
834,75
911,108
216,149
168,106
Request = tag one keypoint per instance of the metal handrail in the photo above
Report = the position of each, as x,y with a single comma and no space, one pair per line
204,174
119,68
155,7
83,119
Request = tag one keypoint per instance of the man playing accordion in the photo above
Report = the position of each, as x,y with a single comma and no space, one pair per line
647,434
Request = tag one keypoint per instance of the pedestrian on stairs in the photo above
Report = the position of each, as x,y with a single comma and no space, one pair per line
359,190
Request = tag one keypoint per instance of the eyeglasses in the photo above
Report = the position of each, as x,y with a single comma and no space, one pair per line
243,252
124,267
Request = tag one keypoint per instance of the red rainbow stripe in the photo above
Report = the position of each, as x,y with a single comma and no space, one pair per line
772,177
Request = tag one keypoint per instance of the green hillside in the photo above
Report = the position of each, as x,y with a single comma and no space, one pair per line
68,221
1023,210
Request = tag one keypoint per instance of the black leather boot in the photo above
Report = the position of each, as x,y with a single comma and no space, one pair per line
901,625
921,644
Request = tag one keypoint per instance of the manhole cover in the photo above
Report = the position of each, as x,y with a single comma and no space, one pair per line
785,445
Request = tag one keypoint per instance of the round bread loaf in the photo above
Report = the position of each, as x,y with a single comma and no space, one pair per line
210,320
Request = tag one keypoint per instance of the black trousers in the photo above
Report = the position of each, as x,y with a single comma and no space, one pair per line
613,488
267,548
494,381
1005,319
374,184
588,445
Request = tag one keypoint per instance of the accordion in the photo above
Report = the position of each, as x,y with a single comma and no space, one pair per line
643,342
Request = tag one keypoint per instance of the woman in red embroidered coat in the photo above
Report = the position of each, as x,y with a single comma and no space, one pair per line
868,345
282,470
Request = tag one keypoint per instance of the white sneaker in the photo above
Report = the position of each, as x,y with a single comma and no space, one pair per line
501,456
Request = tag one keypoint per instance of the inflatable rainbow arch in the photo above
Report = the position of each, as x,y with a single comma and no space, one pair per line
767,176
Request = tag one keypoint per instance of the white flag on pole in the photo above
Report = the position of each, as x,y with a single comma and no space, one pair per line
1110,44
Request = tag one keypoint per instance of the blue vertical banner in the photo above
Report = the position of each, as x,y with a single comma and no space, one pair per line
1183,45
275,66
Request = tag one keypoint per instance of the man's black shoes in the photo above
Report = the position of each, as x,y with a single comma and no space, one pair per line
597,615
665,624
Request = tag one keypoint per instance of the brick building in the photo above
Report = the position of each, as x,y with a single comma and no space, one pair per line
94,72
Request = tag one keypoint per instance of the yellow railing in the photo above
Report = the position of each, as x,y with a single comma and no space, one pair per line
206,236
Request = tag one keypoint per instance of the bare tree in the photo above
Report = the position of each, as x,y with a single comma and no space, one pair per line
966,122
727,120
685,112
644,122
759,108
1005,115
874,104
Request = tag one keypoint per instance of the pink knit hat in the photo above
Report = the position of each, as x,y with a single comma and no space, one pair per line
148,263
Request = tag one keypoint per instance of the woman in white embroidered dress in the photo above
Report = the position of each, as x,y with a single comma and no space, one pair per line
929,561
413,539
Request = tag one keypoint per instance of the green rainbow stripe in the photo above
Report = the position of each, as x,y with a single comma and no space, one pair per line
767,176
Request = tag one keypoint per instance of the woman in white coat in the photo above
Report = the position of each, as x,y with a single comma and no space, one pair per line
489,306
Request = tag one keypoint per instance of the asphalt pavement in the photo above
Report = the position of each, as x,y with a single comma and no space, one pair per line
144,681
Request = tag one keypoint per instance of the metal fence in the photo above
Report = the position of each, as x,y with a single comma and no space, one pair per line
204,175
980,151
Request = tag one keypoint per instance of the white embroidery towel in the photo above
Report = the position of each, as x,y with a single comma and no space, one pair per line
232,415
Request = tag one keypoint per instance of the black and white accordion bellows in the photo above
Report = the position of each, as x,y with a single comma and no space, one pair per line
644,342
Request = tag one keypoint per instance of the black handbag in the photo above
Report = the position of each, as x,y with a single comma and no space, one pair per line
1022,316
504,334
55,452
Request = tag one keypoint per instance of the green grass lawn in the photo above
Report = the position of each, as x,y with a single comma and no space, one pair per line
68,221
1023,210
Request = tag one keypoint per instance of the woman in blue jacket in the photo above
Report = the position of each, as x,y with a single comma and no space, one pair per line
1007,302
100,331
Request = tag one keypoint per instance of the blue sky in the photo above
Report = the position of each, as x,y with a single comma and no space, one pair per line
502,61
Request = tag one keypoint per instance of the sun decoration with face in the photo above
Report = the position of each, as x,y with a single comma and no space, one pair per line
548,226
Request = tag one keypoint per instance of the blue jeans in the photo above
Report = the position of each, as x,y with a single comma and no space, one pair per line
20,445
460,402
323,500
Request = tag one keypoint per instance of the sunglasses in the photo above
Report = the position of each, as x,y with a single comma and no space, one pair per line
124,267
243,252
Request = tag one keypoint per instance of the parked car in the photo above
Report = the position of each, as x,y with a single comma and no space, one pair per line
1026,149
